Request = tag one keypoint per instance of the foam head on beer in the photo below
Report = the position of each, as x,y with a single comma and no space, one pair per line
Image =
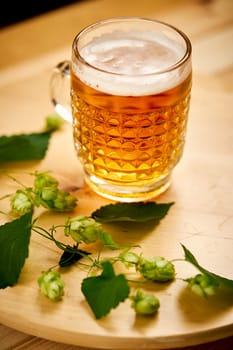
132,63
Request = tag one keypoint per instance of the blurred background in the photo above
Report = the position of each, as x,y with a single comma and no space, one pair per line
18,10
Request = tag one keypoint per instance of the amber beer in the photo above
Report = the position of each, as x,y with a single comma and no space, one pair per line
130,103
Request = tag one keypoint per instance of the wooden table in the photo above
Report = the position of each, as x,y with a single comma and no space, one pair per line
202,183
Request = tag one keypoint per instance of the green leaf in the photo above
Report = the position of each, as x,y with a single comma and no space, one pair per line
106,291
24,146
71,255
140,212
220,279
189,256
14,243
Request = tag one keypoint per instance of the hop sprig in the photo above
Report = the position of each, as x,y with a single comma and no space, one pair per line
156,268
86,229
203,285
109,286
22,202
51,285
145,304
48,195
44,180
45,192
83,229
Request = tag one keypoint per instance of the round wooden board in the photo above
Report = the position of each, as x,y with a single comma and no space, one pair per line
201,219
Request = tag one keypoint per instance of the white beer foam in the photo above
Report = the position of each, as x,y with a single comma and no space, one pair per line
131,64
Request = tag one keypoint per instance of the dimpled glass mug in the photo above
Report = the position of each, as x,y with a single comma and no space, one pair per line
130,84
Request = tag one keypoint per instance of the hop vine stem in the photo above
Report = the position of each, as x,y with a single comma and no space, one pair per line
65,247
50,235
6,173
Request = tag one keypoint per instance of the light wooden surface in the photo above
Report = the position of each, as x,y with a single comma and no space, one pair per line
202,185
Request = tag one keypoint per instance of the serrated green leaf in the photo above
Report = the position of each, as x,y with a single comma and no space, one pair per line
24,147
220,279
139,212
106,291
189,256
14,243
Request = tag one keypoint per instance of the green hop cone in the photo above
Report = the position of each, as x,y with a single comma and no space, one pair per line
51,285
128,258
43,180
22,202
83,229
64,201
49,193
156,269
145,304
53,122
45,188
49,196
202,285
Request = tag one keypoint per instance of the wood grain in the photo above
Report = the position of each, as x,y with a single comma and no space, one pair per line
201,188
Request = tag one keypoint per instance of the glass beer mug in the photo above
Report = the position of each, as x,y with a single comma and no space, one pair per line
130,84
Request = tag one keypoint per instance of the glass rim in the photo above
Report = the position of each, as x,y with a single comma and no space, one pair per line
176,65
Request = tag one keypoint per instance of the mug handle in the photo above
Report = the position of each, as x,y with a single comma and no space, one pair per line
60,90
